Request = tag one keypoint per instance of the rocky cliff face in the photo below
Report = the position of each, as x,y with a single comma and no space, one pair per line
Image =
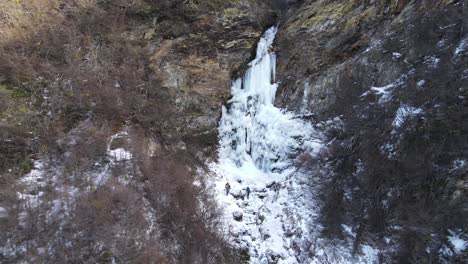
337,50
394,73
198,49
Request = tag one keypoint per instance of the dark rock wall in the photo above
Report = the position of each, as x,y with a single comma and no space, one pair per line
199,46
402,182
342,48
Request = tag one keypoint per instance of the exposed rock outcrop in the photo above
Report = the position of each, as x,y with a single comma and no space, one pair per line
395,73
198,48
336,50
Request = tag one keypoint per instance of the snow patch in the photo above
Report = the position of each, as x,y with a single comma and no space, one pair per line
458,164
373,45
421,84
458,242
404,113
431,61
32,183
385,92
396,56
461,47
120,154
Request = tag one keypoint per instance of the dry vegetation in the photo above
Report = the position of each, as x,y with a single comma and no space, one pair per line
401,183
71,74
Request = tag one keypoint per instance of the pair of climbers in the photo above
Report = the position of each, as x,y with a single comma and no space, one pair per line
228,189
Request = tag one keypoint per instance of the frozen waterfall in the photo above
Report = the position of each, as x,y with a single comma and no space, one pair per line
253,132
258,143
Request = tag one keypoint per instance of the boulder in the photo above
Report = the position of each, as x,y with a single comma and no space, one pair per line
238,215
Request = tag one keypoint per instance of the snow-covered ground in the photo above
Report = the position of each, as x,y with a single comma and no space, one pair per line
404,113
35,181
51,176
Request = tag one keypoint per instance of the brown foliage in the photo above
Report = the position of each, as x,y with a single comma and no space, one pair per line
189,217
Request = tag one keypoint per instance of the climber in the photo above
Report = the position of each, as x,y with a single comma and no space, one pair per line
228,188
247,190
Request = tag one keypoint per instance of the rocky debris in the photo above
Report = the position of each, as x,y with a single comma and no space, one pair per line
270,185
273,257
274,221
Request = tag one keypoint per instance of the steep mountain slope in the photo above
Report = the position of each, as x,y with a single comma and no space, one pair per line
105,109
122,121
395,72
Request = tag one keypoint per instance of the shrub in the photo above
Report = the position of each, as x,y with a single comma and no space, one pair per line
25,165
244,255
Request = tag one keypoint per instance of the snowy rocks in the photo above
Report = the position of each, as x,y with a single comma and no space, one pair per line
244,204
264,232
420,84
290,229
271,184
117,145
272,257
262,195
238,215
238,194
396,56
260,219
